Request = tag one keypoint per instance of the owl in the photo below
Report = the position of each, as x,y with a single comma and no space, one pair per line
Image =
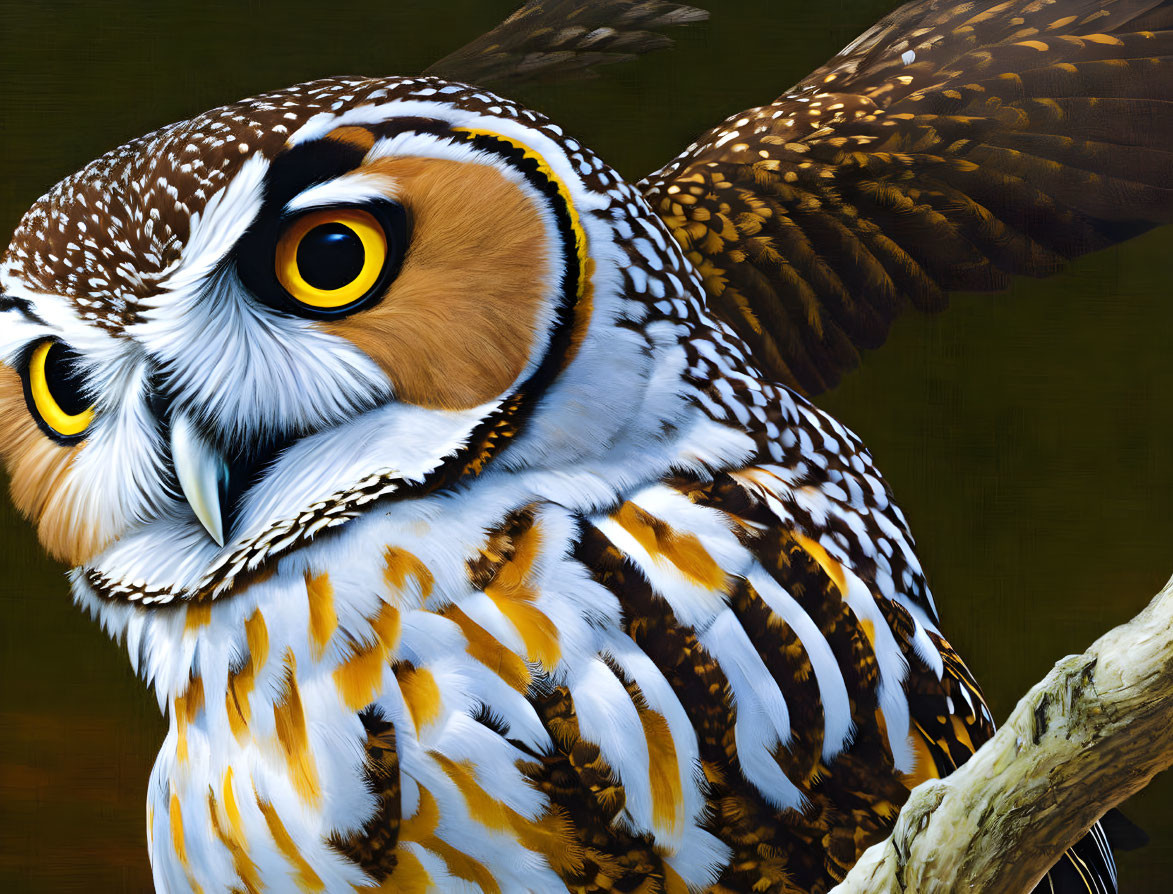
463,503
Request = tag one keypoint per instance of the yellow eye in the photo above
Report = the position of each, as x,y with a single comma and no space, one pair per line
332,258
56,390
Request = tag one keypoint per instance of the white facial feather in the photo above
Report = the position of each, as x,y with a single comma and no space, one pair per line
250,372
121,479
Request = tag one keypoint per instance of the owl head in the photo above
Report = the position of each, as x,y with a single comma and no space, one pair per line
228,337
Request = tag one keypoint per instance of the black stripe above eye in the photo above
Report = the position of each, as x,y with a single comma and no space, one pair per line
306,165
22,306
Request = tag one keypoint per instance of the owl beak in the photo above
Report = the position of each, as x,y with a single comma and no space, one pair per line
203,474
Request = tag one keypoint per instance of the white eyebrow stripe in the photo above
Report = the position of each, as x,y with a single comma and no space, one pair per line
525,132
18,330
355,188
51,315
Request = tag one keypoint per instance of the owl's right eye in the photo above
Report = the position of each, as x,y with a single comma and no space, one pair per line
55,391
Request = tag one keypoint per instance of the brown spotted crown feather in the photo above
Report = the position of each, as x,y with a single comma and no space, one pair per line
106,235
460,499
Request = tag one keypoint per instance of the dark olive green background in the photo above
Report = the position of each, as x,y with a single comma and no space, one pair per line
1026,435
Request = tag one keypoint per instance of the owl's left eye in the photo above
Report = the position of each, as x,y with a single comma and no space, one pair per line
327,262
330,259
55,391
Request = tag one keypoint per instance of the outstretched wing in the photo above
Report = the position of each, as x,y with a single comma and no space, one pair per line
949,147
566,39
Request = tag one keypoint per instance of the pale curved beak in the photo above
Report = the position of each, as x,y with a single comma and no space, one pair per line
203,474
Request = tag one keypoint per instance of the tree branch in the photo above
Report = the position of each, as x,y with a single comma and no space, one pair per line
1094,732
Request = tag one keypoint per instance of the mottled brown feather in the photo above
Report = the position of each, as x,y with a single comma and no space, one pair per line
564,39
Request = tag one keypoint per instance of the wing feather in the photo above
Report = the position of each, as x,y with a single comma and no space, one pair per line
951,146
565,39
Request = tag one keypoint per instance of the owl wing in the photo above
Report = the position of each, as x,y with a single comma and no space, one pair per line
565,39
950,146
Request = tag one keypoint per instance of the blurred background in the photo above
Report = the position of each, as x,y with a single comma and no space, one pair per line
1026,435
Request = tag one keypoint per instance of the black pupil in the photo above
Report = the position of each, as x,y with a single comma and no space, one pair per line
330,256
64,378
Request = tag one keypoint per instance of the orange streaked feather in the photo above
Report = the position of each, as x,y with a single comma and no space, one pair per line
307,879
421,829
830,567
409,876
663,770
184,708
551,835
289,720
241,683
664,544
228,828
359,677
323,616
399,565
178,841
488,651
421,694
512,591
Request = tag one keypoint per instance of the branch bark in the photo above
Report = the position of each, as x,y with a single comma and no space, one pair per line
1094,732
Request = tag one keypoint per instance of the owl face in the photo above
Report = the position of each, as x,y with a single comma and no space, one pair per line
230,336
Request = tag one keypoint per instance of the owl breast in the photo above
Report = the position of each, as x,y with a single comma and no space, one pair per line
504,687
